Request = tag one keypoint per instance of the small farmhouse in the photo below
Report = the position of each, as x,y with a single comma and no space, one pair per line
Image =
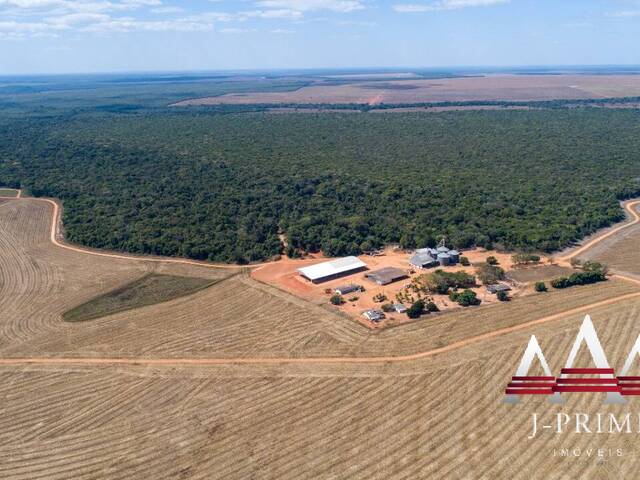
347,289
374,315
399,308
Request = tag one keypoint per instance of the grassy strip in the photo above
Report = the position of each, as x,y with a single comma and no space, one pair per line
8,192
148,290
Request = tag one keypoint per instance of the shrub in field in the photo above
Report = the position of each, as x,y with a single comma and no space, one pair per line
432,307
464,261
387,307
466,298
336,299
540,287
597,267
491,260
503,296
416,309
578,278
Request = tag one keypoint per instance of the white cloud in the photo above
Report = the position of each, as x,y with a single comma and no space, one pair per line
59,7
313,5
283,13
37,17
131,24
166,10
72,19
444,5
411,8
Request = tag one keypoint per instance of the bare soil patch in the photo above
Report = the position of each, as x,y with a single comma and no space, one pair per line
538,273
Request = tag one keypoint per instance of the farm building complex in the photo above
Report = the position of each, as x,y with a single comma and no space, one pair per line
432,257
323,272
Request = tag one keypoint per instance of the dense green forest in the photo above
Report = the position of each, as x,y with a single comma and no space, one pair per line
207,185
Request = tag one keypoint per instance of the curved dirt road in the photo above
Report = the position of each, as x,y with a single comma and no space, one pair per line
318,360
583,248
54,236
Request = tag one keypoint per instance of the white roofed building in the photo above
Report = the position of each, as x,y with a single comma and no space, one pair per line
339,267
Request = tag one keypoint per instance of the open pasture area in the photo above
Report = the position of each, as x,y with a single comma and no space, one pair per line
463,89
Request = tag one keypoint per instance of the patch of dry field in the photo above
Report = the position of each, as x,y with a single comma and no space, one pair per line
538,273
437,417
487,88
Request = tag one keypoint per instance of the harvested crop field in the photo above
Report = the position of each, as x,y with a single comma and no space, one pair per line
484,88
436,417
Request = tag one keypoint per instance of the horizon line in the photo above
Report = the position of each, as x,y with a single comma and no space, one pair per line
373,69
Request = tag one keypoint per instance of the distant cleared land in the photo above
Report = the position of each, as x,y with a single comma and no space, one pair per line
148,290
482,88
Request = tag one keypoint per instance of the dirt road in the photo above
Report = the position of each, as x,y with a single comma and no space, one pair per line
635,219
318,360
56,239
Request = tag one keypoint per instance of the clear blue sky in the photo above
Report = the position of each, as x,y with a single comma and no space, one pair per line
59,36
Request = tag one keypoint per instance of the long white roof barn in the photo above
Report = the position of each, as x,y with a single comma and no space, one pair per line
333,268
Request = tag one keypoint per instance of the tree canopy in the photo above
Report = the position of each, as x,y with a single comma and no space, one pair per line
223,187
